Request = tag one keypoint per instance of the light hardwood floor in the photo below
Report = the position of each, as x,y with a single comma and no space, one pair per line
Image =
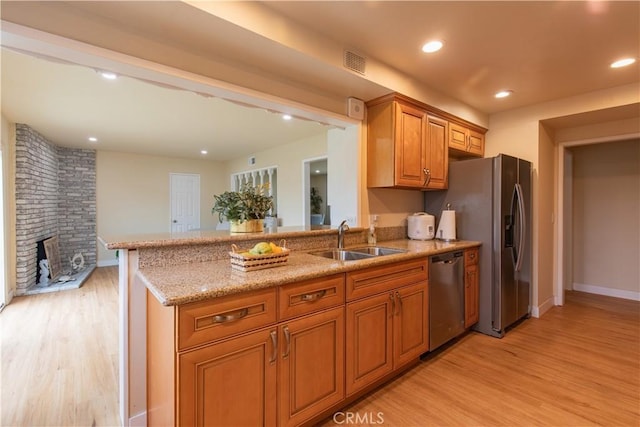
578,365
60,356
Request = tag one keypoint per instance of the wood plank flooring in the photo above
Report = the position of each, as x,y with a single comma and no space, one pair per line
59,355
578,365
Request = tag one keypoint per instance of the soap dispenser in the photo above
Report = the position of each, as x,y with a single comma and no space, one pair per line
371,235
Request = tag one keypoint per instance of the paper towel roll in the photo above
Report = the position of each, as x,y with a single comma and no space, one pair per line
447,227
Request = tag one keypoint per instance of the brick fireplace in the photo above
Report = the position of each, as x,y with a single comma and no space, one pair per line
55,195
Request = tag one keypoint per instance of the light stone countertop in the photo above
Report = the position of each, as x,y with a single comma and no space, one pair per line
204,237
181,284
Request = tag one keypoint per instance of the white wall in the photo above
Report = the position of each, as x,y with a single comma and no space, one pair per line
289,160
343,177
133,194
606,218
8,240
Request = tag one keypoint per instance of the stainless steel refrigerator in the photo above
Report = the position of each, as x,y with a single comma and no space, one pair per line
492,201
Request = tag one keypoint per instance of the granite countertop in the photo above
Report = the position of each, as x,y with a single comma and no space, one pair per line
204,237
181,284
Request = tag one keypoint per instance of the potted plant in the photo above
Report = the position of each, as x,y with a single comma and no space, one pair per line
316,207
245,209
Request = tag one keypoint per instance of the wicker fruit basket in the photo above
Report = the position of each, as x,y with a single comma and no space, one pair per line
243,261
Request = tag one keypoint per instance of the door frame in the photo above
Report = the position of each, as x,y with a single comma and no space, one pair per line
306,187
563,216
3,276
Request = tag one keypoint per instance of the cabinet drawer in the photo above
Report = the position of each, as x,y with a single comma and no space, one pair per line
305,297
471,257
206,321
374,280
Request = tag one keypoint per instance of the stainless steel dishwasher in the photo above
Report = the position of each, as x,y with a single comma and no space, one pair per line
446,297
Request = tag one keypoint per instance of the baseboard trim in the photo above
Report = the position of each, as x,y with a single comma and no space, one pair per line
108,263
139,420
542,308
610,292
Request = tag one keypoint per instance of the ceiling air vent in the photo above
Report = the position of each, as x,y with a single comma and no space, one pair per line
354,62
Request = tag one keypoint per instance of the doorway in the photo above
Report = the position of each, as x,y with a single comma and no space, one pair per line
185,202
594,224
316,209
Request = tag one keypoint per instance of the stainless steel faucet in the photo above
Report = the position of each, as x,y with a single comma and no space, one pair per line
341,229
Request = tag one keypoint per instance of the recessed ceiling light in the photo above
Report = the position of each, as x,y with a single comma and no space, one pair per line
203,151
432,46
286,117
93,139
623,62
503,93
108,75
317,170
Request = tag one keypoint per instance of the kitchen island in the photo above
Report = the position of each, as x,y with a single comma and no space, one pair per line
184,310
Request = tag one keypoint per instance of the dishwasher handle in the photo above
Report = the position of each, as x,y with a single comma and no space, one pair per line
450,258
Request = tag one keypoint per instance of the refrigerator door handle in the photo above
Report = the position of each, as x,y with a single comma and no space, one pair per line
523,226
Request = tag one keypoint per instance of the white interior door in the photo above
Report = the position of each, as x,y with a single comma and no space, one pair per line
185,202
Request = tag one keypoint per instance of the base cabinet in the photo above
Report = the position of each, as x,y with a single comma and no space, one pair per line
369,336
284,356
311,366
387,321
231,383
244,360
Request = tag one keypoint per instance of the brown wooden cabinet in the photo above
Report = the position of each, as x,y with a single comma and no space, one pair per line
386,321
465,142
407,147
243,359
229,383
471,287
311,366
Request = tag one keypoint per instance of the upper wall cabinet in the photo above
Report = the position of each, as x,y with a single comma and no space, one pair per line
409,143
465,142
407,146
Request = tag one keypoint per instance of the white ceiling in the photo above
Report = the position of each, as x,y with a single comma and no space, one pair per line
540,50
69,103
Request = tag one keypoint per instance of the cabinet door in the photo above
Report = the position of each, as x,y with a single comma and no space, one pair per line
457,137
368,336
229,383
437,153
312,365
476,143
470,295
411,323
409,145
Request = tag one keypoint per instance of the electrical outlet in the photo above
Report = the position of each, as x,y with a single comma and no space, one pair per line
351,220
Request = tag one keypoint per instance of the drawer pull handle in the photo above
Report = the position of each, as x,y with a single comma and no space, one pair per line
225,318
427,174
314,296
287,337
274,341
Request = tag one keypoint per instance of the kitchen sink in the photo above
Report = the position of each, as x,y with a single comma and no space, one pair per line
342,254
377,250
353,254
